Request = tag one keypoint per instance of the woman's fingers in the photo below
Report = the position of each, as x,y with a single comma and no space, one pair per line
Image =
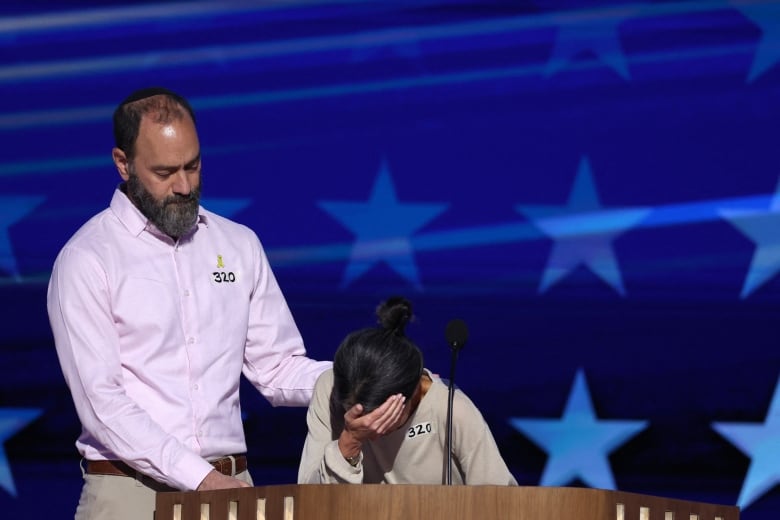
390,411
384,419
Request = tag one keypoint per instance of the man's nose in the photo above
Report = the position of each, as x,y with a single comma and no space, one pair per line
182,183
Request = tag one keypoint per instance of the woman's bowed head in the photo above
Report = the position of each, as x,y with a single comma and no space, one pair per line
378,377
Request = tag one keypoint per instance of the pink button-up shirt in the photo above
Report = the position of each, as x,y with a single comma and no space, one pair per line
153,336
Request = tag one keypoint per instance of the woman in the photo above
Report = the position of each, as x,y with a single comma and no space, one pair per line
379,417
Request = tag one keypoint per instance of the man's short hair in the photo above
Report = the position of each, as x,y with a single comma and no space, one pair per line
165,104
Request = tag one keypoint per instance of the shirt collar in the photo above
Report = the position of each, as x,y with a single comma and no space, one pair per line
135,221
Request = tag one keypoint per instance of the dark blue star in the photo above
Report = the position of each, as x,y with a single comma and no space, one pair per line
383,227
767,16
12,210
12,420
594,31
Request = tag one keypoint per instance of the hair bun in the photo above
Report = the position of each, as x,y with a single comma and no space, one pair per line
394,313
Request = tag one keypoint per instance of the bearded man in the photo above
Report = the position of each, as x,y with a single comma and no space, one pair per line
157,306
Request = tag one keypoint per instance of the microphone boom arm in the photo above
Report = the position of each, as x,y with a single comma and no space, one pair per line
456,333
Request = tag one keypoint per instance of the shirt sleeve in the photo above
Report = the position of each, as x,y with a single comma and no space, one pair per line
322,461
88,349
475,448
275,360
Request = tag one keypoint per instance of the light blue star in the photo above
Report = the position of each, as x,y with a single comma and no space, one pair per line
12,210
227,208
594,31
383,227
760,442
578,444
767,16
761,226
583,232
12,420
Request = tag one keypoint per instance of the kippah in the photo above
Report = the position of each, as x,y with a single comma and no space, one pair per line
147,93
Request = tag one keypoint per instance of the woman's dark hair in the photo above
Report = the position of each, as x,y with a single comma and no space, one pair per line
374,363
165,104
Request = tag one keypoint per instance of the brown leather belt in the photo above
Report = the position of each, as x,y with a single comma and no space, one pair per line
121,469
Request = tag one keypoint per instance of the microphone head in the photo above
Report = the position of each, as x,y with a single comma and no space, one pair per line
456,333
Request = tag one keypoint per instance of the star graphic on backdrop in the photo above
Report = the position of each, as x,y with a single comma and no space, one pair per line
760,442
767,16
583,232
383,227
578,445
12,420
12,210
227,208
760,225
593,31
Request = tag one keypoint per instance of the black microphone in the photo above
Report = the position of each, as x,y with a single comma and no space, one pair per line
456,333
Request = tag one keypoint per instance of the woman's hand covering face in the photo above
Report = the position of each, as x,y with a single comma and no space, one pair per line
386,418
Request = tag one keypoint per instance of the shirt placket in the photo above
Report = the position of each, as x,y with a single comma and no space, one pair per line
192,341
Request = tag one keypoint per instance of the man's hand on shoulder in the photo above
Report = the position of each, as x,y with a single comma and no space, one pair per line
216,480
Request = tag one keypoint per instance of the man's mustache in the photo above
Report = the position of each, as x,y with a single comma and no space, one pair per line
180,199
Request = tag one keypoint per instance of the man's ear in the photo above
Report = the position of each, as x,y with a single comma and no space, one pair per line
120,160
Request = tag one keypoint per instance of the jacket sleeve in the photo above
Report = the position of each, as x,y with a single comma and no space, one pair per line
475,448
321,461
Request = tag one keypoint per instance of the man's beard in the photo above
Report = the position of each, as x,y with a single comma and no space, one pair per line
174,215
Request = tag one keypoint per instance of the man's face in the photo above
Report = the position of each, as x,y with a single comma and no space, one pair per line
163,179
174,215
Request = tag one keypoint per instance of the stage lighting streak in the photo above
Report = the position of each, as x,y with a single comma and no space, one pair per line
103,160
202,55
55,117
27,168
513,26
702,211
288,257
592,223
119,16
176,11
75,116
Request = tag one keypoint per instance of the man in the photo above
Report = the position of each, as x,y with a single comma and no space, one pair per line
157,307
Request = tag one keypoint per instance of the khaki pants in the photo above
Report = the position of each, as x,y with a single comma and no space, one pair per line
109,497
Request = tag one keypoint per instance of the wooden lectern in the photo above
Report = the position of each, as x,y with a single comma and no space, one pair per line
429,502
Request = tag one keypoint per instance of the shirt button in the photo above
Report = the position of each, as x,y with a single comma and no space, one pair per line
194,387
190,340
186,293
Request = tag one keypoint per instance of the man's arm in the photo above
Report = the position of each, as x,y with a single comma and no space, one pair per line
275,359
87,344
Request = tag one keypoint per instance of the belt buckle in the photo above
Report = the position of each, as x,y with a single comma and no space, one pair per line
219,464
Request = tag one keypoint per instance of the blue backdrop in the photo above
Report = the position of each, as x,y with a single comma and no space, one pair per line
591,186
